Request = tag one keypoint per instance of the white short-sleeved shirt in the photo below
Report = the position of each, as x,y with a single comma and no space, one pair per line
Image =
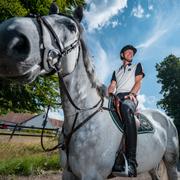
125,77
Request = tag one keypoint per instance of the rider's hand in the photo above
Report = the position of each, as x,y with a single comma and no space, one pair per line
110,90
131,96
112,87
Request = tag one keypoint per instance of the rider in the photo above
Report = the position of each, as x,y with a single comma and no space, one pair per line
126,82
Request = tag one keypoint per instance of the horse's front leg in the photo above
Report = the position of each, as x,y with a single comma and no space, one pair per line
66,175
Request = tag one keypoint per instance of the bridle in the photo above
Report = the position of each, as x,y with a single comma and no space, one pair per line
54,56
51,59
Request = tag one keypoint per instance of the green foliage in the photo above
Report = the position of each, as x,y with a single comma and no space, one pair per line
11,8
29,165
42,6
169,76
26,157
67,6
20,147
37,6
34,97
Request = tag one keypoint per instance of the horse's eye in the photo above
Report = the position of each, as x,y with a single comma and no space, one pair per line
71,27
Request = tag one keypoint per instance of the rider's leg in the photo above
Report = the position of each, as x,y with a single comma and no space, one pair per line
128,108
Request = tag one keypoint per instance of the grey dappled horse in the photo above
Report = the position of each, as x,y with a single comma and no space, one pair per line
31,46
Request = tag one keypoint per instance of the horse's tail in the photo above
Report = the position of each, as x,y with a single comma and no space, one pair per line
171,155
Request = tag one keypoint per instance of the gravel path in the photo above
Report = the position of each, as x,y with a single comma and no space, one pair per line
58,176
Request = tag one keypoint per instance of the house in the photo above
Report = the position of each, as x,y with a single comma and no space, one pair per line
38,120
28,120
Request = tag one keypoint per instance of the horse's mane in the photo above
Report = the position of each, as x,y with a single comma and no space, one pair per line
90,69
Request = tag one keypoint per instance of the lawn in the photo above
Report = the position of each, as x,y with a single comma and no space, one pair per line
24,156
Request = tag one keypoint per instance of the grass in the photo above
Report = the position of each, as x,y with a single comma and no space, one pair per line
13,150
32,165
21,157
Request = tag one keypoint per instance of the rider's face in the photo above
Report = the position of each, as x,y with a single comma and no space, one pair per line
128,54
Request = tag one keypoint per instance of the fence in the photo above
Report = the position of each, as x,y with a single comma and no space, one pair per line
20,130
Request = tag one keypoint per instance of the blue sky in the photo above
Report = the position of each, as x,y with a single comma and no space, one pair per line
153,26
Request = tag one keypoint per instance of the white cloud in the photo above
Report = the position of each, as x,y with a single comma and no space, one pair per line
114,24
147,15
102,59
163,23
100,12
152,39
146,101
141,100
151,7
138,11
102,63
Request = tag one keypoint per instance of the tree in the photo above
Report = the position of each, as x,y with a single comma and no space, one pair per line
34,97
169,76
11,8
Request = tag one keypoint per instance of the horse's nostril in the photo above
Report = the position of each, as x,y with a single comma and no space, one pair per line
19,45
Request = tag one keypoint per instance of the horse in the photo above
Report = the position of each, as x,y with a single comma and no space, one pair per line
33,46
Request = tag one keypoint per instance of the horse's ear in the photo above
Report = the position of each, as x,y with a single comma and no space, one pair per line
78,13
54,9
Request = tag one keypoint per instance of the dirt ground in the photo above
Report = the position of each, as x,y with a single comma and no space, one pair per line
58,176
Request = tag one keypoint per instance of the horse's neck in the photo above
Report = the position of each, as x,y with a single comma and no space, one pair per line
83,95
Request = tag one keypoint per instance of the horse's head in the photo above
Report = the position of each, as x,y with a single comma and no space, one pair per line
32,45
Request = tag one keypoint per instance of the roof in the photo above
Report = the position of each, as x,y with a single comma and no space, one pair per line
18,118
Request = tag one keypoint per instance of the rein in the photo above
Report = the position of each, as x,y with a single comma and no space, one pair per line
74,127
62,83
54,58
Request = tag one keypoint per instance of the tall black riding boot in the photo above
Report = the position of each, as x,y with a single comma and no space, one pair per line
131,141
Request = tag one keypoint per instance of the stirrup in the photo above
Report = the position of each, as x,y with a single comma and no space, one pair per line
125,172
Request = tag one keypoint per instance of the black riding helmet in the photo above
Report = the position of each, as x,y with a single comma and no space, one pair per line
126,48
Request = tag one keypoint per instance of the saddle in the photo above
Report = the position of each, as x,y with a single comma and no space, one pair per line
142,122
117,106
